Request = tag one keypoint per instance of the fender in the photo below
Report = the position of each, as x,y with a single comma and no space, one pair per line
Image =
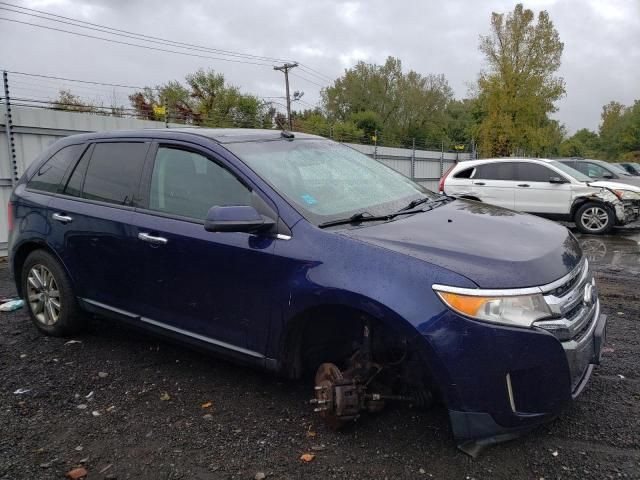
336,270
606,197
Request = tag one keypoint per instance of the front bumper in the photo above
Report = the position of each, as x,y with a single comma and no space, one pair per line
627,211
475,430
502,381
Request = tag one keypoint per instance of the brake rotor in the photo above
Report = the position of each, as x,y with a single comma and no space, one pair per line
327,376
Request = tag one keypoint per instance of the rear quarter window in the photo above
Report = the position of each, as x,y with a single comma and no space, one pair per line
48,177
466,173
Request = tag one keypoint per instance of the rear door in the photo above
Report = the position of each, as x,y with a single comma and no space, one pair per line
216,287
92,214
534,192
459,183
495,183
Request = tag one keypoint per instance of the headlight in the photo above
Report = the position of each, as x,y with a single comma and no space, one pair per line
627,195
514,310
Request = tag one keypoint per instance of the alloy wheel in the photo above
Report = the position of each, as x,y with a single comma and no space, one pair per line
594,218
43,295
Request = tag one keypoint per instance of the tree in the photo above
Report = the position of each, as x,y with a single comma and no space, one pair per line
583,143
73,103
205,100
385,99
518,89
620,131
460,121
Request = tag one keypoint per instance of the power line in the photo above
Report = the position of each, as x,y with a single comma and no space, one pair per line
146,38
147,47
76,80
307,80
142,36
312,71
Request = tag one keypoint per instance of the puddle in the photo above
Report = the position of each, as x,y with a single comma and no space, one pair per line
621,249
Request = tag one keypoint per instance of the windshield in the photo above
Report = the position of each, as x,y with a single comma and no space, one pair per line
615,168
326,181
572,172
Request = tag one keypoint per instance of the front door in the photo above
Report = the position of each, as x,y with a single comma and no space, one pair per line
536,194
216,287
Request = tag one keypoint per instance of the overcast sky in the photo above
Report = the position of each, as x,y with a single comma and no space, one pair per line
601,60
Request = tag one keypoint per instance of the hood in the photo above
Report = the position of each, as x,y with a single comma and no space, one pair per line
617,185
492,246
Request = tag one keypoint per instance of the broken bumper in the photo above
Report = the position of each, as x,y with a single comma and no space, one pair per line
629,211
475,430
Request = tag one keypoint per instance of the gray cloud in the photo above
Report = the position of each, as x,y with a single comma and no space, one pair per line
601,61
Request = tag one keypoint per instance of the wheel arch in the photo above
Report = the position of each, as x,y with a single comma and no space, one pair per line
578,202
20,256
345,321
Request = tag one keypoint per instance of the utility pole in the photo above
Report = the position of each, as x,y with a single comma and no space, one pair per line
285,69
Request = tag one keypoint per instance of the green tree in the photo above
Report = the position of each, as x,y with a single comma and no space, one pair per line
73,103
583,143
620,131
398,105
460,121
518,89
205,100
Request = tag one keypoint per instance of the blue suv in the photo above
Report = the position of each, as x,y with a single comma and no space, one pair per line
299,255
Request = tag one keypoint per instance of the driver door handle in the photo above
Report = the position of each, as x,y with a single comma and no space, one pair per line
524,185
145,237
478,183
60,217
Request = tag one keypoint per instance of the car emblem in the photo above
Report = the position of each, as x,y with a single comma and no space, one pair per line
588,294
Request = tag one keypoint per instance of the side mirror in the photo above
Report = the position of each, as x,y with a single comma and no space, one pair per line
557,180
237,219
607,175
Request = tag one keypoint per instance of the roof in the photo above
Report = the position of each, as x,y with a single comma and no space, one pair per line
504,159
231,135
219,135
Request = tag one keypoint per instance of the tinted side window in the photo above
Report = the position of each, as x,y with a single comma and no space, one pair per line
532,172
114,171
49,175
74,184
496,171
188,184
466,173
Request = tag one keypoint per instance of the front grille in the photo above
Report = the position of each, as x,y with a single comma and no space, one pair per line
575,315
566,287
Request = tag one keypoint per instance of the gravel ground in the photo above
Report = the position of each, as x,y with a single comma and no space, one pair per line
124,404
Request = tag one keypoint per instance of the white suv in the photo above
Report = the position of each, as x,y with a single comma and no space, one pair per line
547,188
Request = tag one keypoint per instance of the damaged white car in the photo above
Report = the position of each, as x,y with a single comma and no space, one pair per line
546,188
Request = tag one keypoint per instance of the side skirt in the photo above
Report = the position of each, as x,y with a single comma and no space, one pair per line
210,345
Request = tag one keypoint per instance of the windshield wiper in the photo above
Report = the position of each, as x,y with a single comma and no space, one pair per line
420,201
356,218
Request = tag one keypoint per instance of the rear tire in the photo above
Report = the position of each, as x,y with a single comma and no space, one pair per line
594,218
49,297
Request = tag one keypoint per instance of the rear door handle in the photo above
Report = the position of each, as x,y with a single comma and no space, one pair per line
478,183
62,218
524,185
145,237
